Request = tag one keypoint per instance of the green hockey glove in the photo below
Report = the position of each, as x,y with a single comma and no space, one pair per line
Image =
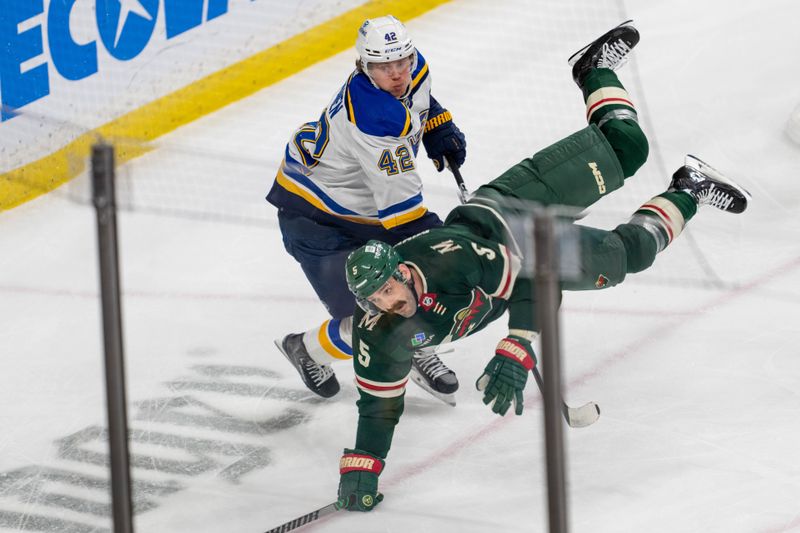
504,378
358,484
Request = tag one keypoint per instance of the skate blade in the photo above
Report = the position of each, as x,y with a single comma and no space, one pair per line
279,345
449,399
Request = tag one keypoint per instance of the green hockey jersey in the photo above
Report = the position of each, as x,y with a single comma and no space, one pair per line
468,281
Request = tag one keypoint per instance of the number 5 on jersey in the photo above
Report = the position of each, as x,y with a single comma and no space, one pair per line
363,354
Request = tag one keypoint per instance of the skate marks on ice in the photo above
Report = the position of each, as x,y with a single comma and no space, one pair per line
195,435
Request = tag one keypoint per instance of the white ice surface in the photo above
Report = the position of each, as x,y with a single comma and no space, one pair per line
698,383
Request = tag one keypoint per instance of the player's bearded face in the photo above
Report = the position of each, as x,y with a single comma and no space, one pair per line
395,298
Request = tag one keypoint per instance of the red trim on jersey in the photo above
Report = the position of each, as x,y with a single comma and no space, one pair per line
365,385
507,282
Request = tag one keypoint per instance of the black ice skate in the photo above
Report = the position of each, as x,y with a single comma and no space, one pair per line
708,186
610,50
320,379
430,373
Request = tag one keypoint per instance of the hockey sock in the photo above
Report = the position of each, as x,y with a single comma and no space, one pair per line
331,341
665,216
606,98
609,107
683,201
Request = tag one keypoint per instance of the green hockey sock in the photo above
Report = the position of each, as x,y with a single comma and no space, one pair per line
665,215
606,98
683,201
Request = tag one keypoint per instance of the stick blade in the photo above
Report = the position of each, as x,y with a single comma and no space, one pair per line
585,415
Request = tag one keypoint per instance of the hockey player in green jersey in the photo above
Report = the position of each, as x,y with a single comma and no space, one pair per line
449,282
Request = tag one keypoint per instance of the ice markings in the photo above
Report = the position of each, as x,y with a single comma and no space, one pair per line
197,431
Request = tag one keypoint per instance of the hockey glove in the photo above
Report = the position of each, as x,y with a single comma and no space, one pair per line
358,482
442,137
505,376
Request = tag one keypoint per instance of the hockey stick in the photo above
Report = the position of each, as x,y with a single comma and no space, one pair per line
310,517
462,189
576,417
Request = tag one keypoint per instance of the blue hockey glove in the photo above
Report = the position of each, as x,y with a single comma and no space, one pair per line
358,481
442,137
504,378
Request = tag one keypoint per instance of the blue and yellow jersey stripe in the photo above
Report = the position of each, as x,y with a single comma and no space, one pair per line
407,126
405,218
420,75
348,100
292,176
403,212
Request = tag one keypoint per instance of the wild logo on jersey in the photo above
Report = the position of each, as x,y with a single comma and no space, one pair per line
468,318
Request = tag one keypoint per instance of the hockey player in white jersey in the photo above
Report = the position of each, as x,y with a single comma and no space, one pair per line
352,176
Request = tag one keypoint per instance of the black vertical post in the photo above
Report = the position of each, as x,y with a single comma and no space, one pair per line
546,276
105,203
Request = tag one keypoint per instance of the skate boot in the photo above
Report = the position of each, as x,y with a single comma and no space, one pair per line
320,379
610,50
430,373
708,186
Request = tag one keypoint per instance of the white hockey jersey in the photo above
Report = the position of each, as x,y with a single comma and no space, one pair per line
357,163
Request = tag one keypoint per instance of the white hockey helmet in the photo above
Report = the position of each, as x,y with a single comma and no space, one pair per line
384,39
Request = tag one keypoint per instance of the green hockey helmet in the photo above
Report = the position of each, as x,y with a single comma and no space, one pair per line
368,268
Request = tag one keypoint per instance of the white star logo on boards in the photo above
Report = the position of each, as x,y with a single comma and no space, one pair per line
126,8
